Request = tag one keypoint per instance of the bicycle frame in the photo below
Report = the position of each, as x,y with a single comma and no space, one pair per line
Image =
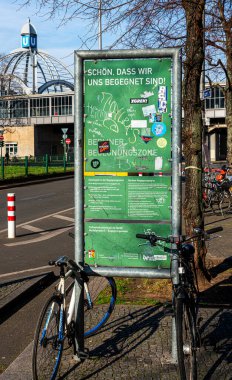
62,292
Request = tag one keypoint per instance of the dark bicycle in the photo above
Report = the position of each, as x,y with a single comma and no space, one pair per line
185,297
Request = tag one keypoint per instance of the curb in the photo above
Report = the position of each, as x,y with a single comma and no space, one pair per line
36,181
20,368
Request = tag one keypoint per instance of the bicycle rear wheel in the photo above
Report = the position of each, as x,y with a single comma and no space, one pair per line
99,302
214,201
186,340
48,341
225,203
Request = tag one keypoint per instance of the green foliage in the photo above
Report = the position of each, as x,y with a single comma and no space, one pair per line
136,292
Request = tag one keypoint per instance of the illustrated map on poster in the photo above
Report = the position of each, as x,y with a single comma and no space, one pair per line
127,115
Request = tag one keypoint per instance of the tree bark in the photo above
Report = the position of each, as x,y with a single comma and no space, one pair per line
228,92
192,128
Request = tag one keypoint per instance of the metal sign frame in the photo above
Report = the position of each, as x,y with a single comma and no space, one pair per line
80,57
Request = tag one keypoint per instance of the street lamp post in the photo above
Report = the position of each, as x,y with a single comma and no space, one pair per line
99,25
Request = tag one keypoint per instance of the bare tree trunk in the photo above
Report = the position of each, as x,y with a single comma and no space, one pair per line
228,92
192,131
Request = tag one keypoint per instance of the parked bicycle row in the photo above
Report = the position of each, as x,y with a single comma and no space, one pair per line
217,190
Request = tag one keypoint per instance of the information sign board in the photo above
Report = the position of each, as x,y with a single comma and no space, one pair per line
127,118
115,244
128,198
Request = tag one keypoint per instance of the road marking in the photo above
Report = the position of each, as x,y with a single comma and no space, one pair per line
43,217
41,196
41,238
25,271
64,218
34,229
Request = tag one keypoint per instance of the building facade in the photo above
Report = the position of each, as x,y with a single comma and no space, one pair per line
36,100
216,130
33,124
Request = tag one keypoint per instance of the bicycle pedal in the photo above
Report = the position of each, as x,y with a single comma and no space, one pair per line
83,354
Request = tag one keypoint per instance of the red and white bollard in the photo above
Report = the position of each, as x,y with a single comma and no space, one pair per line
11,216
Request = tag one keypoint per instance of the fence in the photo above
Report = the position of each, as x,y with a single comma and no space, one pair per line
17,167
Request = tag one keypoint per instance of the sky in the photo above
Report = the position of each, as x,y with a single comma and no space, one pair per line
59,42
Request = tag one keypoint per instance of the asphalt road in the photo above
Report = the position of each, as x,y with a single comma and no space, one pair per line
44,216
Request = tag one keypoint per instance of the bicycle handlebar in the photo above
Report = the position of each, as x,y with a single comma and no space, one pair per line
178,239
66,261
154,238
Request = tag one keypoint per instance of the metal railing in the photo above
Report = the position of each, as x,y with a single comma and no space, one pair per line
16,167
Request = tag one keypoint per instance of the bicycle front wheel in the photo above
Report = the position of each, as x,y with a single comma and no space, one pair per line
99,302
48,341
186,340
225,202
100,305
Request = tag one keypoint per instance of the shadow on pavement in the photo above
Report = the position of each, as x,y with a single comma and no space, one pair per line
119,339
217,338
218,295
221,267
216,329
19,235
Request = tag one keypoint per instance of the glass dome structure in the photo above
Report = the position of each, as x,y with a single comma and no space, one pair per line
28,70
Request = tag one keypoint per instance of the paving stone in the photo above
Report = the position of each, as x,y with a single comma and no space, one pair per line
136,349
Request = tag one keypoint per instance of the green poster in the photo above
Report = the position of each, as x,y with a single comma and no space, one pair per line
115,244
127,128
128,198
127,115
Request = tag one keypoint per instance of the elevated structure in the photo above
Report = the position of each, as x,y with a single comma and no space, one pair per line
36,97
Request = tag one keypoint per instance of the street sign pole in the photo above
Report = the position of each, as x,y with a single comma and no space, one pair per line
65,153
64,136
1,142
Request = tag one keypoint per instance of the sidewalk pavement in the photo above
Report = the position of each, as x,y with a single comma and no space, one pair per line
136,342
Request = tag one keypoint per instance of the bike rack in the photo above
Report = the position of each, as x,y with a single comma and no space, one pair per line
80,57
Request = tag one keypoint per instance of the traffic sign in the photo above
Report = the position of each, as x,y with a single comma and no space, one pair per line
68,141
1,137
64,130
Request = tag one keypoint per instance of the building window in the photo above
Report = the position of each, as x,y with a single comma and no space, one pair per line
11,148
4,105
62,105
39,107
217,99
18,108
